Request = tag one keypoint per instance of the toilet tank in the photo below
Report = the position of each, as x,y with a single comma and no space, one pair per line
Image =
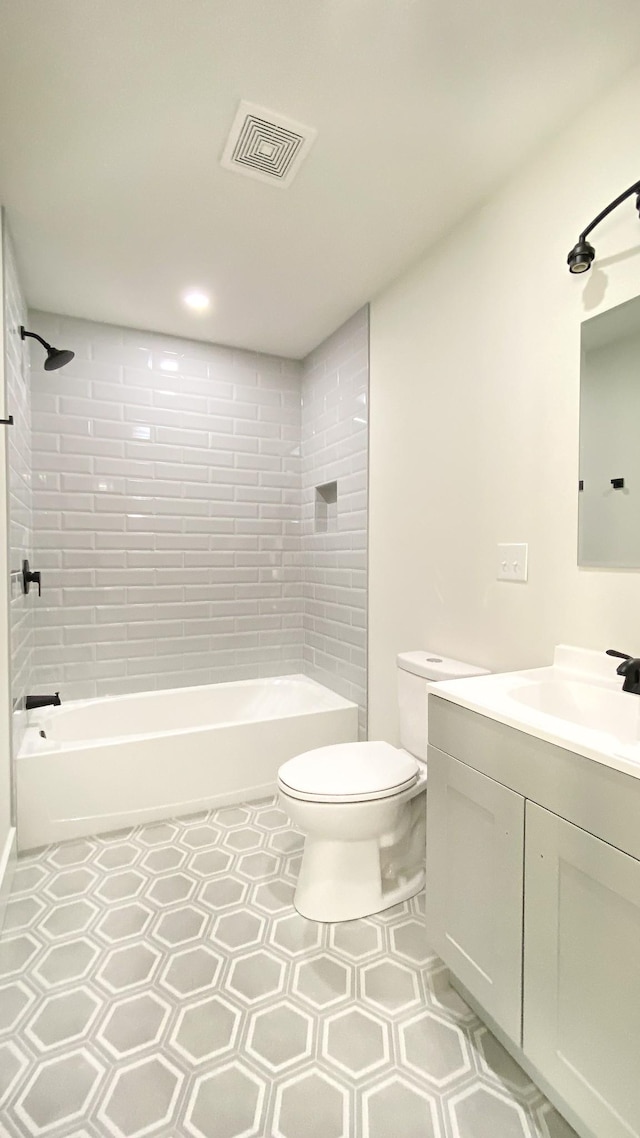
416,670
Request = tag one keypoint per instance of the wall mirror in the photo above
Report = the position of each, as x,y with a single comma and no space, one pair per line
609,475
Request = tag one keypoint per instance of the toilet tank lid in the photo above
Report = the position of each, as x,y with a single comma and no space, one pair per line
431,666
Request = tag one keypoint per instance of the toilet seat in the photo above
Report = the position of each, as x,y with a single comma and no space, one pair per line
348,772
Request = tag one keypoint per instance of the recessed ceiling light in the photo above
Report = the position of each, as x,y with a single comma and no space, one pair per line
197,300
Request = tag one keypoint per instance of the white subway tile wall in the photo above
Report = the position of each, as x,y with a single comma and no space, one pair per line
175,521
19,483
167,503
335,395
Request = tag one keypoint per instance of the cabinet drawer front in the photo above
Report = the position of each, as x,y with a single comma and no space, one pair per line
475,837
582,971
591,795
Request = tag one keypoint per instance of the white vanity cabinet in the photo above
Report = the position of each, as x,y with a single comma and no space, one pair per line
533,902
582,971
474,888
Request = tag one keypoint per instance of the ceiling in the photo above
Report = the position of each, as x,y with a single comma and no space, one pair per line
114,115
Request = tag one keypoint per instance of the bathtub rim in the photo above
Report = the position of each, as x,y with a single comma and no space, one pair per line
39,721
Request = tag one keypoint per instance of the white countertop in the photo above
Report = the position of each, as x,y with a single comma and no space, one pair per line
576,703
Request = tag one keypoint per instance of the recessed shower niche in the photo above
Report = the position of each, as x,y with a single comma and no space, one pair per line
326,515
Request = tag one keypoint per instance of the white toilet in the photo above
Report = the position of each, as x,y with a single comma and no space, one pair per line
362,807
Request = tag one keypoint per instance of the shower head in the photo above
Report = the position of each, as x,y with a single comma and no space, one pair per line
56,357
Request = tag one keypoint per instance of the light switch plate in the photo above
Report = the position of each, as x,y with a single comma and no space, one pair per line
512,562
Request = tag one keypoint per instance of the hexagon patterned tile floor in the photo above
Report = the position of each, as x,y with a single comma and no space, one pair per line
160,983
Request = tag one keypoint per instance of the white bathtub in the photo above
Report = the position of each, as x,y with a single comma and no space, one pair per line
121,760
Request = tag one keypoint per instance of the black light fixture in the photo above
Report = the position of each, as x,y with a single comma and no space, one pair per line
581,256
56,357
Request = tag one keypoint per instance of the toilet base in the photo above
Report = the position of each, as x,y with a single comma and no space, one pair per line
359,858
342,881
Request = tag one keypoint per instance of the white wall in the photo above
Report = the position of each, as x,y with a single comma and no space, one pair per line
474,419
7,821
18,442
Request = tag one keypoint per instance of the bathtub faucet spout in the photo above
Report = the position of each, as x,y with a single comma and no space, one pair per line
33,701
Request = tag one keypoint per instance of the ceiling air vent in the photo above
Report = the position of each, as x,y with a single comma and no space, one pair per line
267,146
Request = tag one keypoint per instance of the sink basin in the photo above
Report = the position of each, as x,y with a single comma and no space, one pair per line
576,703
587,705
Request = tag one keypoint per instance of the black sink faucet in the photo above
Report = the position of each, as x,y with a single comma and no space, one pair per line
33,701
630,669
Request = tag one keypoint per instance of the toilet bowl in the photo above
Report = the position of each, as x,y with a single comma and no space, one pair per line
364,848
362,807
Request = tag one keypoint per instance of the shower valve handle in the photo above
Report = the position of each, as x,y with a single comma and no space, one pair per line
30,577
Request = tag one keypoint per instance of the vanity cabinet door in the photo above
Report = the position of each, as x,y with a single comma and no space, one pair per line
582,971
475,867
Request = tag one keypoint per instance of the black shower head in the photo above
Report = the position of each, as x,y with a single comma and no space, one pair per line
56,357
